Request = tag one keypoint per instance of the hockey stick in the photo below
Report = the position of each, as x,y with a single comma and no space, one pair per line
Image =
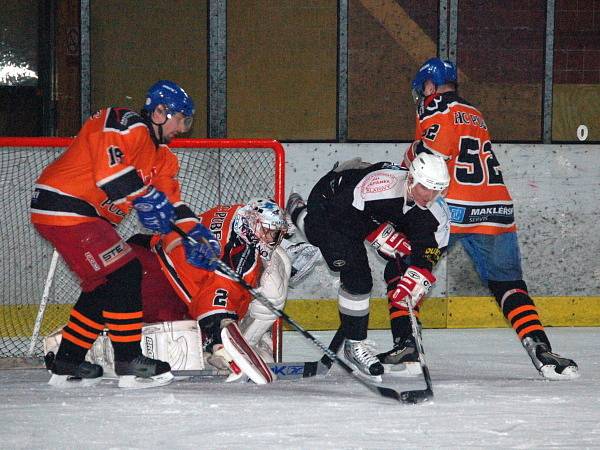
418,395
322,366
42,309
381,390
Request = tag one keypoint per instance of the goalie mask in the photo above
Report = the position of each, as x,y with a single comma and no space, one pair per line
428,178
262,224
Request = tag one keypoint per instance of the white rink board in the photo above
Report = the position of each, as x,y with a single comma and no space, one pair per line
556,189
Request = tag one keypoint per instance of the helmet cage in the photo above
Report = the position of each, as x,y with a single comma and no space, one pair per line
262,224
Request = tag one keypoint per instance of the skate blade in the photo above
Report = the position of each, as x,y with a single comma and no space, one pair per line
133,382
68,381
408,369
549,372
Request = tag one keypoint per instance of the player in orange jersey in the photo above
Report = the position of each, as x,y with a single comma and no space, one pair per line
481,210
247,238
118,161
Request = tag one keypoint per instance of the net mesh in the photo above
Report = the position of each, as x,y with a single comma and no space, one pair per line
208,176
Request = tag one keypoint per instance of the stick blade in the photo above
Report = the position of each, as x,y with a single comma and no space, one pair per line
388,393
416,396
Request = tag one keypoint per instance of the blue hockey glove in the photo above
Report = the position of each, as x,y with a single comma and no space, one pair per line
202,254
154,211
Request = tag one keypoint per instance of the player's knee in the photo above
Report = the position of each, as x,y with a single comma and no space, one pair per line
123,290
356,285
500,288
129,273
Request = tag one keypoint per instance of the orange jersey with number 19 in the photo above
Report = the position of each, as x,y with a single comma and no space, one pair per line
111,161
478,199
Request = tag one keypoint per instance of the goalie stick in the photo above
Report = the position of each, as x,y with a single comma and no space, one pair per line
404,397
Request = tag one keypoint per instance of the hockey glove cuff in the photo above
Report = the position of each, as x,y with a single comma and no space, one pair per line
388,242
412,287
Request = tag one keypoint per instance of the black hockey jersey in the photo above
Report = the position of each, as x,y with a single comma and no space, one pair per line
360,199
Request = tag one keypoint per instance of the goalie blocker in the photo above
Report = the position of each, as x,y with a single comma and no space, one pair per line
180,344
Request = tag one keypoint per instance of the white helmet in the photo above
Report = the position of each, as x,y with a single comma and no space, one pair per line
429,171
262,224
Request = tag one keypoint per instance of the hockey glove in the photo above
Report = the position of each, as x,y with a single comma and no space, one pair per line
154,211
204,251
412,287
388,242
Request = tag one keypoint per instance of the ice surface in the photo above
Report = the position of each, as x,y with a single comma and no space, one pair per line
487,395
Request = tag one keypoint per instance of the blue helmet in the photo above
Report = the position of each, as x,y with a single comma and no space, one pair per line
437,70
170,94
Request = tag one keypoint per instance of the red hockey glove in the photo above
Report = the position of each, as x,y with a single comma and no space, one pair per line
412,287
388,242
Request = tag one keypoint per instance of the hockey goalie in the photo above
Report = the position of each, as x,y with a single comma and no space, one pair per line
196,315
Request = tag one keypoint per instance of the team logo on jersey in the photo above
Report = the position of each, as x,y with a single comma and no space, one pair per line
378,182
457,214
433,255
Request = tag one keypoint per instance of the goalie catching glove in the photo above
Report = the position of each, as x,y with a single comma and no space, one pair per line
204,252
388,242
412,287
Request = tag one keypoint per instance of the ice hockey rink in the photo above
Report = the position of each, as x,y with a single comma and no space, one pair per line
487,395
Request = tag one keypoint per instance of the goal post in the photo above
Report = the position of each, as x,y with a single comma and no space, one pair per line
38,291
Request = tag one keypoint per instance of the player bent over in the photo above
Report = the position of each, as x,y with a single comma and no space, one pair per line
118,161
245,237
387,206
477,187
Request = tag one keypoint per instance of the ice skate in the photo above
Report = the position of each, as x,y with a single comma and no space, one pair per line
67,374
402,359
550,365
143,372
294,202
362,358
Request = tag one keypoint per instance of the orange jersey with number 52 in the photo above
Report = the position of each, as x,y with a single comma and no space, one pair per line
478,199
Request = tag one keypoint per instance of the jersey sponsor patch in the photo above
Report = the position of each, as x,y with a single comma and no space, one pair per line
379,185
114,253
502,214
457,213
90,258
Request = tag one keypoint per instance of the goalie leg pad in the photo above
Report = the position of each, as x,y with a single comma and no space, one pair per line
244,356
179,343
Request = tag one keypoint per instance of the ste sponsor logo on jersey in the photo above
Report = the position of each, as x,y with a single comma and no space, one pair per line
114,253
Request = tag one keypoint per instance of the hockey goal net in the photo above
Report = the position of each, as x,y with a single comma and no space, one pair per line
213,171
